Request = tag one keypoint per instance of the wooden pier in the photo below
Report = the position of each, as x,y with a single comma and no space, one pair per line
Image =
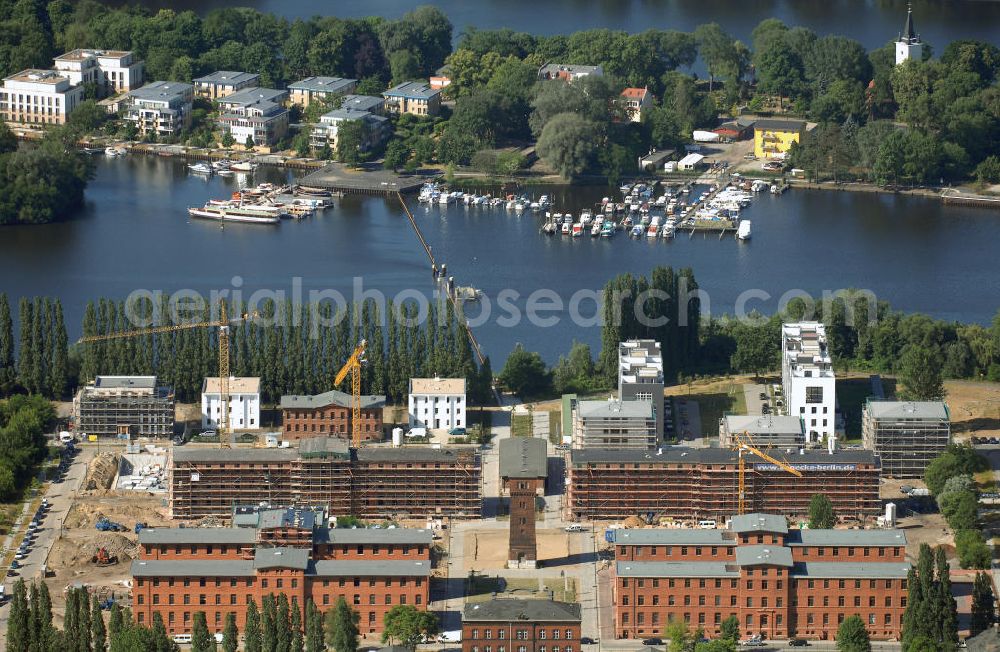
968,199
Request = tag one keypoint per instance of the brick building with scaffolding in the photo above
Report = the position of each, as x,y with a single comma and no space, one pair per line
124,406
371,482
703,483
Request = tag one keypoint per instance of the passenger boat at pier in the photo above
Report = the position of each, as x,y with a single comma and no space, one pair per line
236,213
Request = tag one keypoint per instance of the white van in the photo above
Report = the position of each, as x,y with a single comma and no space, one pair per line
707,525
65,436
181,639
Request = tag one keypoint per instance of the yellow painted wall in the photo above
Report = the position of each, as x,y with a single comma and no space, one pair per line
768,142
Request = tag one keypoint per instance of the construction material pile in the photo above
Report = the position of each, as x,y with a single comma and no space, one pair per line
101,472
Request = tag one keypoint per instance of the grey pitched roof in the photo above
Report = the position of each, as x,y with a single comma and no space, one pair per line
764,425
909,33
125,382
161,91
228,77
297,558
412,454
362,102
676,569
352,568
192,568
324,447
412,90
761,555
873,538
195,454
684,455
220,535
849,569
615,409
907,409
759,523
323,84
333,397
521,610
670,536
774,124
299,518
523,457
352,536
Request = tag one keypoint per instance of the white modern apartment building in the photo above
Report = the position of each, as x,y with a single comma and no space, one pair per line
437,403
256,113
808,379
244,403
374,128
112,71
160,107
640,376
41,97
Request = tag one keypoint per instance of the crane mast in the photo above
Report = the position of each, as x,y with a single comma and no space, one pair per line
353,366
743,444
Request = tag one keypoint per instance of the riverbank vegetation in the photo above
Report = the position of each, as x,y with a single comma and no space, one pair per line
929,121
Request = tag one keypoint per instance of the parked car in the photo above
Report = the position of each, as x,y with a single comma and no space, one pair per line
457,432
652,641
798,642
586,640
763,396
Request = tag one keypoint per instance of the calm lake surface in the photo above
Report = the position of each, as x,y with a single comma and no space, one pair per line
135,234
872,22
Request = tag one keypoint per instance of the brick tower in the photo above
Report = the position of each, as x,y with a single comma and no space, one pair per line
523,471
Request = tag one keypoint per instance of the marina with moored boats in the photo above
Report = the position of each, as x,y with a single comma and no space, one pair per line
653,210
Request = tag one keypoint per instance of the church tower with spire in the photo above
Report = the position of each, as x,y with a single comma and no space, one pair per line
908,45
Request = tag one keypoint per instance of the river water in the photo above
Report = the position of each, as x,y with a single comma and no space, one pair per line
135,234
872,22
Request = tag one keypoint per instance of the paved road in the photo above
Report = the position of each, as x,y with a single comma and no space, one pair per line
60,497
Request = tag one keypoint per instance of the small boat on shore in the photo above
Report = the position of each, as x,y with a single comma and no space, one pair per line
200,168
243,166
743,233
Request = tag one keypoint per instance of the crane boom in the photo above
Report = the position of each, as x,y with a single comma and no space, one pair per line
743,444
223,325
353,367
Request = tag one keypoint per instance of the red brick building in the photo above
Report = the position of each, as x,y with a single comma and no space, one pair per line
217,570
329,414
521,626
523,470
703,483
779,583
370,482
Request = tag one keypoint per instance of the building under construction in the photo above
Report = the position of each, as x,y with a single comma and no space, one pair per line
907,435
371,482
703,483
124,406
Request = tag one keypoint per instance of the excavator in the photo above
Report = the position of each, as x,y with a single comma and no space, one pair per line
103,558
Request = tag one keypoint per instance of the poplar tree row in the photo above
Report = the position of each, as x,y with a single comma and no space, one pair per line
42,363
30,628
930,621
294,349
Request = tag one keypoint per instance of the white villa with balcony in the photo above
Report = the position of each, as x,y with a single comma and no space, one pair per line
808,380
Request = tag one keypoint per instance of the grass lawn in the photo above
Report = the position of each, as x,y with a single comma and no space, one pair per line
520,425
564,591
480,588
713,403
555,426
985,481
851,394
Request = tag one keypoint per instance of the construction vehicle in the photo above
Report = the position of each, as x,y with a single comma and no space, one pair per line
223,325
140,526
105,525
353,367
742,444
103,558
105,605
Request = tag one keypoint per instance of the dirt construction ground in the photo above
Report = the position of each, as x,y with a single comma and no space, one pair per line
488,549
975,408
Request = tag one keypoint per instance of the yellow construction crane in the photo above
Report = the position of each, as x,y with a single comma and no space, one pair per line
353,366
223,325
743,444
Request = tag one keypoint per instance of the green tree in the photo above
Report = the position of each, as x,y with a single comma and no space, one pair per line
946,607
116,622
972,549
956,460
341,624
252,639
754,349
314,628
228,140
282,625
821,516
8,372
983,611
201,639
19,619
568,144
852,636
350,141
249,144
298,642
407,625
730,629
525,374
679,637
230,635
920,373
396,153
161,641
269,627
